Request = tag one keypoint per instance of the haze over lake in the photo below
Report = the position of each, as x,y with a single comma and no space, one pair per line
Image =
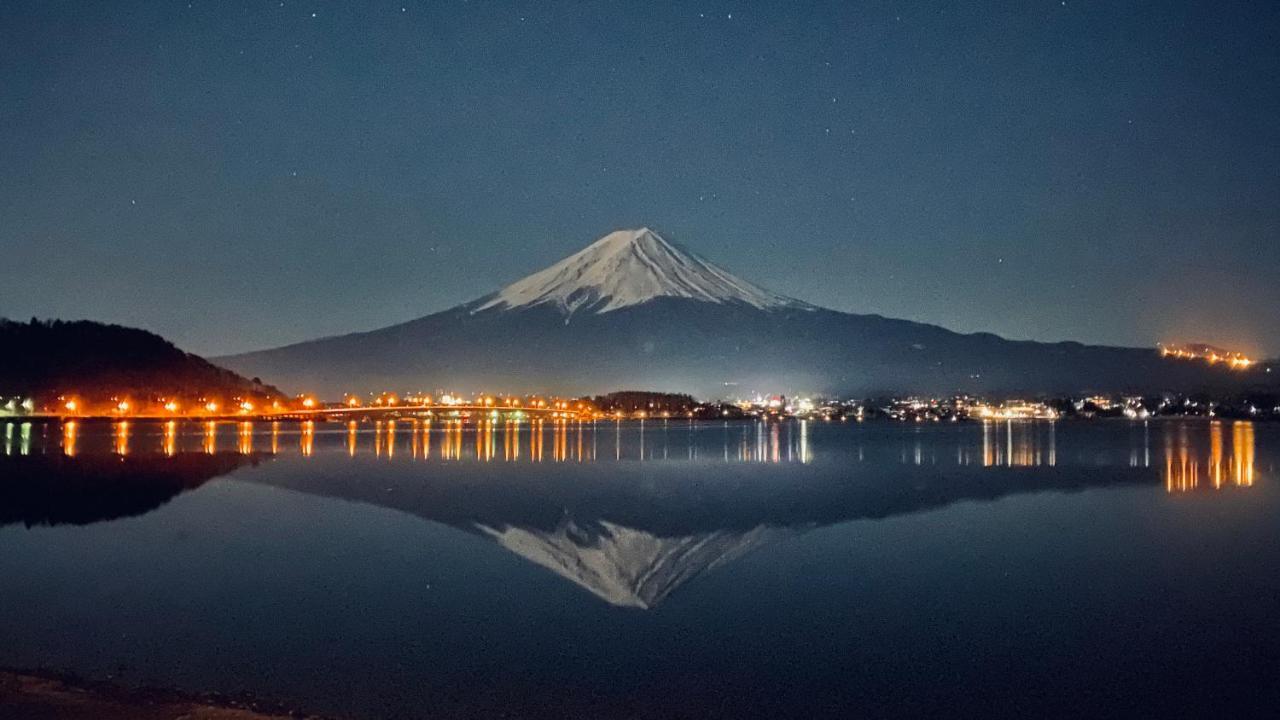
657,569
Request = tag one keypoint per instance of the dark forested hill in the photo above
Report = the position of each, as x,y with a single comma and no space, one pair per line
96,361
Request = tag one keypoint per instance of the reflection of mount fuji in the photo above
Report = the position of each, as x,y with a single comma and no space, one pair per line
626,566
633,536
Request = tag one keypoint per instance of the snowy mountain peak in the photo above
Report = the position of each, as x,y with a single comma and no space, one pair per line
629,267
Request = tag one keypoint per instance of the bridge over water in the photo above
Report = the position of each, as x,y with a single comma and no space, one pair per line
452,412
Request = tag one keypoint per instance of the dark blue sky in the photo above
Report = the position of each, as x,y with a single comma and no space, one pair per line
240,175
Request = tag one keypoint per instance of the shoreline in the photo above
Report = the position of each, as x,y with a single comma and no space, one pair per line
47,693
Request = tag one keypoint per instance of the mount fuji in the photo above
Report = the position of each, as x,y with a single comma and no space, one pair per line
635,310
631,267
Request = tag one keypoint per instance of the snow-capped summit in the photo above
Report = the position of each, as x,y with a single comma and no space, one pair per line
629,267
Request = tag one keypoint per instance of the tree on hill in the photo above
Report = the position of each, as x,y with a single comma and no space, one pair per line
630,401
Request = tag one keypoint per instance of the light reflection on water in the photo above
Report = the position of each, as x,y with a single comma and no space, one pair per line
1186,467
69,431
1017,444
17,438
169,439
535,441
1194,454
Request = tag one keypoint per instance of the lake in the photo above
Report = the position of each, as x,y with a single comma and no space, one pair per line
656,570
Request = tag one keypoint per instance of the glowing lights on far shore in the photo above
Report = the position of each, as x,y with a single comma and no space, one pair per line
1016,411
1207,353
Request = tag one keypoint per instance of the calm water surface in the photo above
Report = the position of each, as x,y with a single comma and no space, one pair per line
667,570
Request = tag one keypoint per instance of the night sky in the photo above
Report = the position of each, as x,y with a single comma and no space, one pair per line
237,175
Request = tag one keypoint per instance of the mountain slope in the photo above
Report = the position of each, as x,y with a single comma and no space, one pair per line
633,310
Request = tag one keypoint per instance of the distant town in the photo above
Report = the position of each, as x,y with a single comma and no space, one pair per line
641,405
